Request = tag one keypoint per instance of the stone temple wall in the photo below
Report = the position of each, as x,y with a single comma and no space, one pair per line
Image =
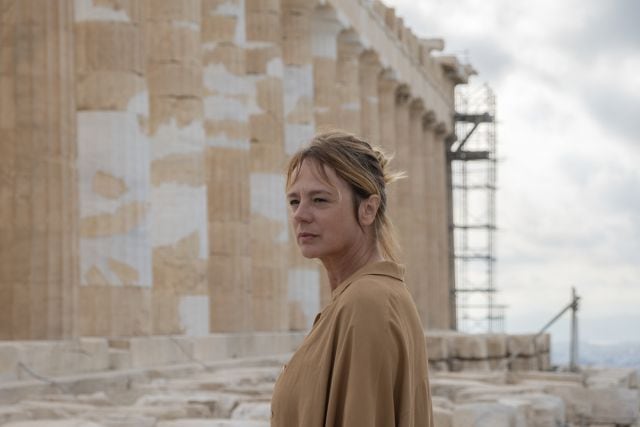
142,154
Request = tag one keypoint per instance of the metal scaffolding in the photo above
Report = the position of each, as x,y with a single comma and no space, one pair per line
473,180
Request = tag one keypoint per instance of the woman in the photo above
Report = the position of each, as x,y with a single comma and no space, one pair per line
364,361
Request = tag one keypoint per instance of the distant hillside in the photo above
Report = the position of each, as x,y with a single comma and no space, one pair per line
620,355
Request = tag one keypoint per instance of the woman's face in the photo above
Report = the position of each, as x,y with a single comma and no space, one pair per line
322,215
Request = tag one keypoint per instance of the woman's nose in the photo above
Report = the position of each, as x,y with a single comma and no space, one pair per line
302,212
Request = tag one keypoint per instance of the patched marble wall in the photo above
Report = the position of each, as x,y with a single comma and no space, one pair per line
143,147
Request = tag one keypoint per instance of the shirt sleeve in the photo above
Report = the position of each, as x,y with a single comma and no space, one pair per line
365,364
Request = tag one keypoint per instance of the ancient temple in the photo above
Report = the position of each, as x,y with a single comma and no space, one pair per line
142,153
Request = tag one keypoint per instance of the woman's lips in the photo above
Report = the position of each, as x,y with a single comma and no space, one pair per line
305,237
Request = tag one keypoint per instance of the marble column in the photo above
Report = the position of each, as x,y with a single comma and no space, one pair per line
269,224
113,167
348,81
440,227
418,164
229,99
402,205
178,191
38,176
303,278
325,28
369,69
387,85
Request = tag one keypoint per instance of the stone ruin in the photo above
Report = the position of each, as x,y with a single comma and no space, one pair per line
492,380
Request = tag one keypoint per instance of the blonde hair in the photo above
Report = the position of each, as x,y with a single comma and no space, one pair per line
365,170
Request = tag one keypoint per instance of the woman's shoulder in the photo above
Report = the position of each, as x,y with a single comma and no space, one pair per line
371,294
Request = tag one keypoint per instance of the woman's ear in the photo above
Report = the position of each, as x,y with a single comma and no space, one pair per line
368,210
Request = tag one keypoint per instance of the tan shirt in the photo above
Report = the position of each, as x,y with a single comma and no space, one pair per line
364,361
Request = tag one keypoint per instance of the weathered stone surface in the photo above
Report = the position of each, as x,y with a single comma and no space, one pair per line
213,423
576,397
260,411
468,347
612,377
491,393
54,423
9,359
437,347
448,388
442,417
11,413
540,410
487,415
614,405
496,345
521,345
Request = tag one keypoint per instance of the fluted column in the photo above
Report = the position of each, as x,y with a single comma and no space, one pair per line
369,69
401,203
38,178
434,315
387,85
178,191
303,276
440,227
229,99
113,166
269,225
417,261
325,29
348,78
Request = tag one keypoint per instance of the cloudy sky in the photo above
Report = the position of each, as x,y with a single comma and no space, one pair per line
567,80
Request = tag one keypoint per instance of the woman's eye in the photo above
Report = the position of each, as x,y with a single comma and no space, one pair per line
293,202
319,200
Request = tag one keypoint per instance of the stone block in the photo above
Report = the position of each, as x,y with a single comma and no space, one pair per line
442,417
448,388
524,364
127,420
211,348
522,345
486,415
496,345
220,405
212,423
544,361
612,377
501,364
543,343
119,359
442,403
468,347
540,410
618,406
576,398
437,346
491,377
493,393
259,411
543,377
64,357
475,365
438,366
9,359
160,350
12,413
54,423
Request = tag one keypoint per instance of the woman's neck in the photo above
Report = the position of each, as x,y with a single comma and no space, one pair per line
340,268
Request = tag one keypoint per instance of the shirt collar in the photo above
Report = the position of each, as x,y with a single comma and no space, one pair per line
379,268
